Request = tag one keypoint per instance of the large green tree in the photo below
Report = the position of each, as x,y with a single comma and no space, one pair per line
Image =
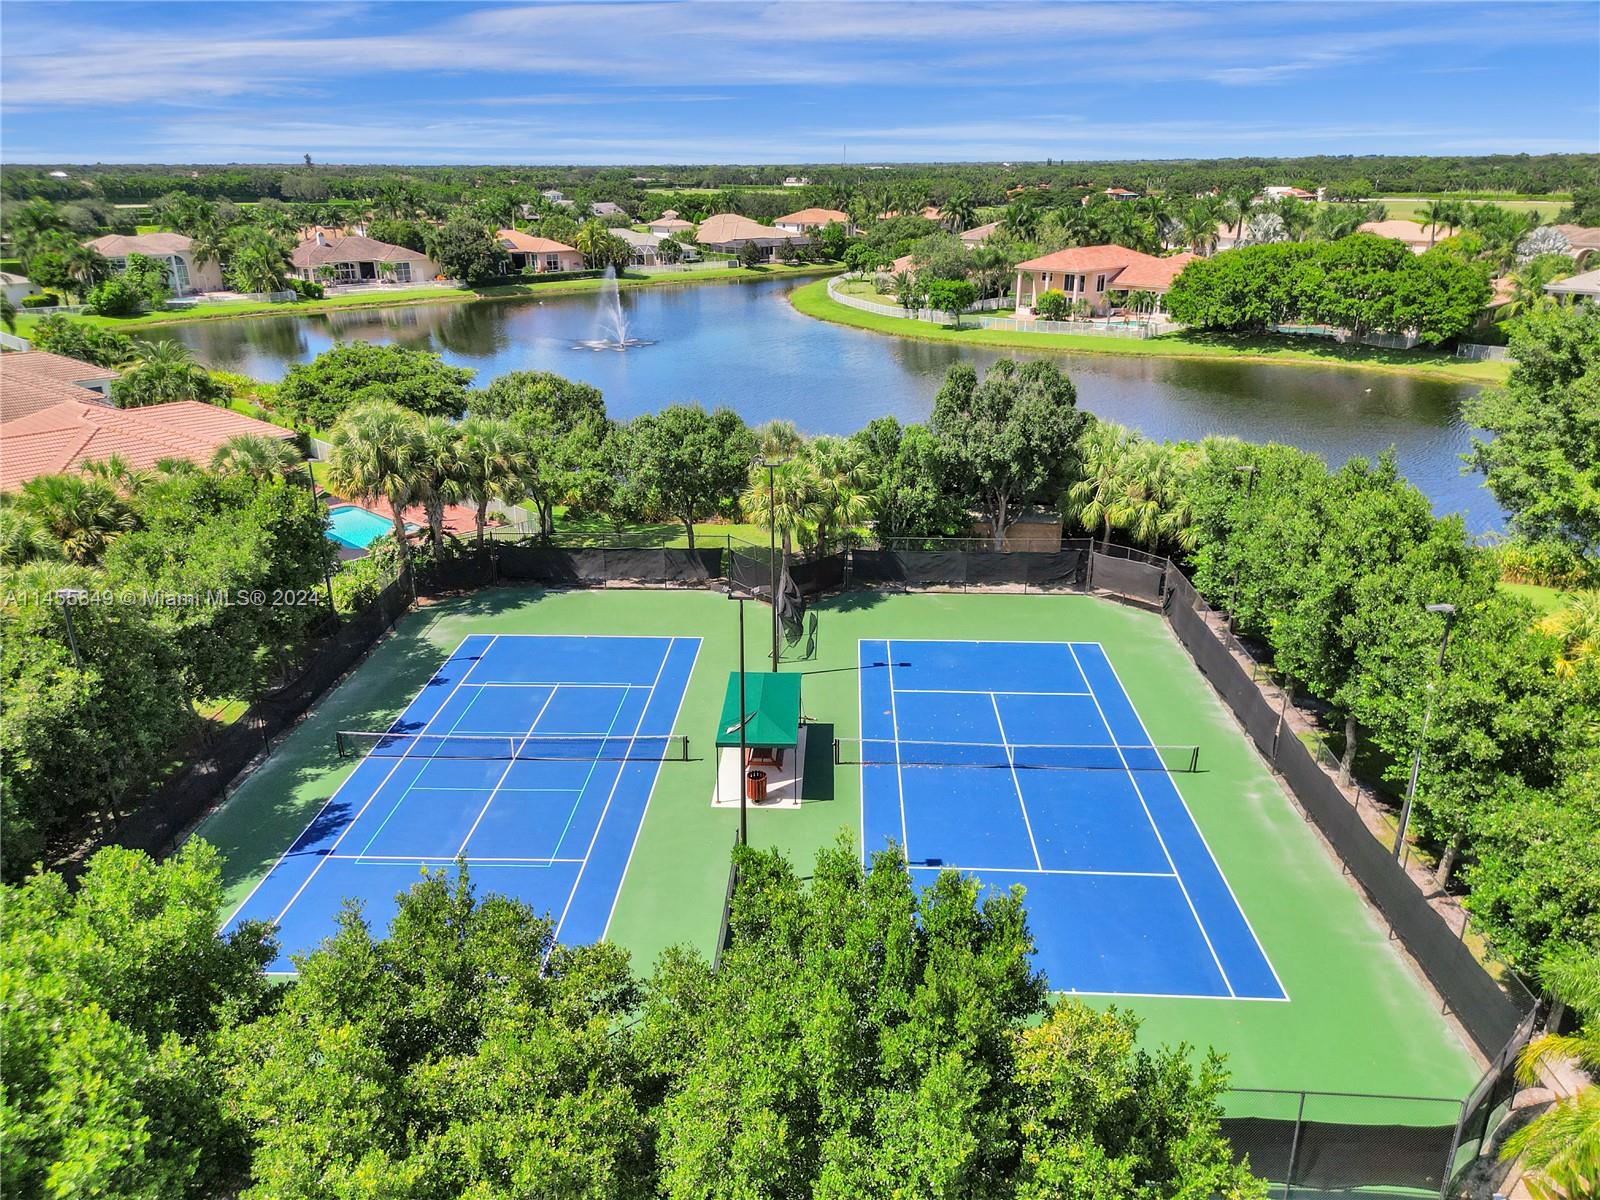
313,395
465,248
905,473
564,424
1544,462
863,1039
463,1053
113,998
688,463
1008,441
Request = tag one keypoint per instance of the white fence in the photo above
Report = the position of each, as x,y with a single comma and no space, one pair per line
681,268
1479,353
12,342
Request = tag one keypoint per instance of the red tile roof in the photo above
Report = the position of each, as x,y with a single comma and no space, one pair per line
65,435
725,228
120,245
1152,274
813,216
34,379
313,253
526,243
1085,258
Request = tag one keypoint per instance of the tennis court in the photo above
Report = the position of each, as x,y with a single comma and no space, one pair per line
1026,763
531,757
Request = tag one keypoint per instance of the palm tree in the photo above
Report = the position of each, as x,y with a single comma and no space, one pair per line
24,538
1577,625
116,472
162,372
778,438
257,456
1296,216
440,475
959,211
495,461
8,314
784,502
86,267
1447,213
83,515
1098,496
1335,221
592,241
1021,218
1561,1147
1198,222
839,500
378,454
1240,201
258,260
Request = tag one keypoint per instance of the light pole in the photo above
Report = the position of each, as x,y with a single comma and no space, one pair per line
1449,611
69,597
744,791
1248,470
327,577
772,466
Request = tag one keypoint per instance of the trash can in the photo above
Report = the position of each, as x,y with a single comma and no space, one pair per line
755,786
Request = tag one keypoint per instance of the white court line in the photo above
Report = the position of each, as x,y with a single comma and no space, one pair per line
1156,829
638,829
326,804
356,820
982,692
899,775
1015,782
861,771
390,860
510,762
621,771
560,683
431,788
923,866
1262,950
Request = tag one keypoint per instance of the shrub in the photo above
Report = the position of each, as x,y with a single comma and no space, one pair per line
1548,563
42,300
1052,306
116,297
307,290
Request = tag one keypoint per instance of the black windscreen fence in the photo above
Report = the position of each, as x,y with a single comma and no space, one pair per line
186,796
1490,1013
1061,570
1126,577
559,566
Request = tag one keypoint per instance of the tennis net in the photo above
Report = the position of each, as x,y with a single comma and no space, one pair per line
356,743
887,752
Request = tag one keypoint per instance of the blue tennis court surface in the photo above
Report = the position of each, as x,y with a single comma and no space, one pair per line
554,832
962,767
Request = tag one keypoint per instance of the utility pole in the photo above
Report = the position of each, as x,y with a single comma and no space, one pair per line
1449,611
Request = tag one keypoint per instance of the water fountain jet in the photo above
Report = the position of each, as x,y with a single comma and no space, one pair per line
612,322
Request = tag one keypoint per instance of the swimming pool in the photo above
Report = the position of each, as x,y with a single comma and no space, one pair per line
356,527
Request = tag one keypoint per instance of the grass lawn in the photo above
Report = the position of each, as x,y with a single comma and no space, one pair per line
813,300
1544,599
1356,1018
662,533
1406,208
432,295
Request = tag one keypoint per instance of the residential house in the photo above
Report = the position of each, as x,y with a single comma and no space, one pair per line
797,181
1582,242
72,432
1577,287
35,379
1419,238
540,255
604,208
1120,193
17,286
809,220
644,247
929,213
666,226
354,259
1089,272
979,234
1278,192
555,197
172,250
729,233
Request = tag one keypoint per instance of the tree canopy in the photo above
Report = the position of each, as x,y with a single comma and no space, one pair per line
314,394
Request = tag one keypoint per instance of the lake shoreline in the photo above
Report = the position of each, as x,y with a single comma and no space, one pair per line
812,300
405,298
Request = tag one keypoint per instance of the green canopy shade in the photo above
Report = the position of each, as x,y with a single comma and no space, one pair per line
772,708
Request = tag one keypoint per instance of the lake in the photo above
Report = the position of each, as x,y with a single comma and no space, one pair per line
744,346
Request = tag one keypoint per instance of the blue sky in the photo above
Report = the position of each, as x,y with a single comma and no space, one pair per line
790,82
